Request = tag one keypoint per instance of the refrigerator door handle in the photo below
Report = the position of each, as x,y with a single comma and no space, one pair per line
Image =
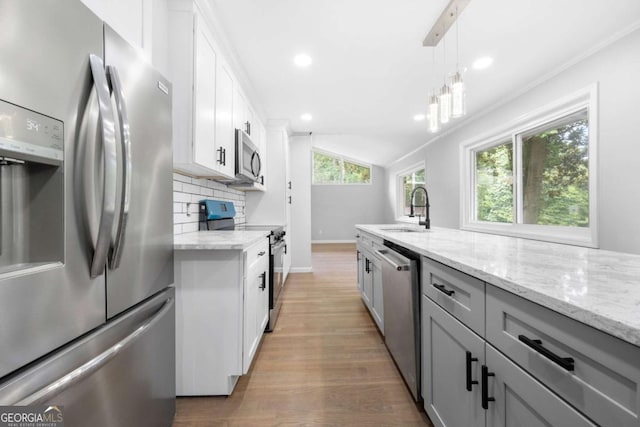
88,368
107,125
125,137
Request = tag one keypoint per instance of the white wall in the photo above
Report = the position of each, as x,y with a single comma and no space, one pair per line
300,156
615,68
335,209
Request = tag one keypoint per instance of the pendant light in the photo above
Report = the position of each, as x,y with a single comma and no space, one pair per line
434,124
457,84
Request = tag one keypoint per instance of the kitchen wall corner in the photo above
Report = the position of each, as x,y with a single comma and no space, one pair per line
189,191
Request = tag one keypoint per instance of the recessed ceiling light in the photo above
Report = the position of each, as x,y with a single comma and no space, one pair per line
302,60
419,117
306,117
482,63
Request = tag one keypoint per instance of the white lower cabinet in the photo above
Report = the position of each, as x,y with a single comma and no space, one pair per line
222,309
524,366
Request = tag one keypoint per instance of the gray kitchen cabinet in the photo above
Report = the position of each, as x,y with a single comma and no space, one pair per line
451,358
370,276
521,401
360,269
377,306
507,382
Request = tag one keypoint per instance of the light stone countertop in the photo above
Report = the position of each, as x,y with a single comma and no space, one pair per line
218,240
596,287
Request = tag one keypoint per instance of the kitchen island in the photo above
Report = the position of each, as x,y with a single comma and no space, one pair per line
504,320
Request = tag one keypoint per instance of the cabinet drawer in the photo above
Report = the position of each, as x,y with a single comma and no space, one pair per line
459,294
603,379
370,241
255,253
520,400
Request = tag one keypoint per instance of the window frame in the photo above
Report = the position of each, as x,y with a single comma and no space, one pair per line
400,216
342,159
586,98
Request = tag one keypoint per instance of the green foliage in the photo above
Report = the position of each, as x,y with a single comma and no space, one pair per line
494,184
555,164
328,169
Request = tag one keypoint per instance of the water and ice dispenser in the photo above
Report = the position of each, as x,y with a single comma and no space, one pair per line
31,190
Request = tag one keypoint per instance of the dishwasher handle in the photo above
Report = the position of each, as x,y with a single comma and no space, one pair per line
398,266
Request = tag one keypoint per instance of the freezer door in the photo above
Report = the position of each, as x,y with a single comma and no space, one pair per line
121,375
44,63
141,259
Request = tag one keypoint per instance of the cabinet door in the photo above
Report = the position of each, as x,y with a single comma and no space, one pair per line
521,401
449,369
238,108
360,267
225,136
250,318
377,299
204,98
367,284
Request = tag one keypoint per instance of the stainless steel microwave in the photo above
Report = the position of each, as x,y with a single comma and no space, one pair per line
248,162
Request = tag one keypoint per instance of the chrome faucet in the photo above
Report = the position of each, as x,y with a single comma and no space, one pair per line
427,221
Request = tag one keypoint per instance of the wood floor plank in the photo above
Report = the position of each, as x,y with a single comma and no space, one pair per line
324,365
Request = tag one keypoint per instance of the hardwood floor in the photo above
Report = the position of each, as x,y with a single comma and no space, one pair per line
325,363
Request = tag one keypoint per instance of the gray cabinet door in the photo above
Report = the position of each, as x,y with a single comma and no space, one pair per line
367,283
521,401
445,343
360,259
377,303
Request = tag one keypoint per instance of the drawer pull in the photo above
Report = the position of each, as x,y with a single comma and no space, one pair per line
485,387
444,290
565,362
263,281
261,253
470,359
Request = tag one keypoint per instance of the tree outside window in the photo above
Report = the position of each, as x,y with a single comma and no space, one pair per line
410,181
334,169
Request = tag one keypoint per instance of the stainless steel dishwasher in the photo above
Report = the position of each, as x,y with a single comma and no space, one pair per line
401,299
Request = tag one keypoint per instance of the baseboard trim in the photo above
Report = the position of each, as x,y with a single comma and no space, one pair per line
301,270
322,242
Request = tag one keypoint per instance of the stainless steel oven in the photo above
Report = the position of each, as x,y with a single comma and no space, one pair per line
278,250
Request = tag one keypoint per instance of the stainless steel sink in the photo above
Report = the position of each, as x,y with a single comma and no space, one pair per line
401,229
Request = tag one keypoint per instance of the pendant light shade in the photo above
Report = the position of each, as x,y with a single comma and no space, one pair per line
434,124
445,104
457,95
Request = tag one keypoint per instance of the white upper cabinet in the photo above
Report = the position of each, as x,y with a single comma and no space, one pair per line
225,136
199,147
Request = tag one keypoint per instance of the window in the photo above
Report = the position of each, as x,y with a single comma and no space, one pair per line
539,180
408,181
335,169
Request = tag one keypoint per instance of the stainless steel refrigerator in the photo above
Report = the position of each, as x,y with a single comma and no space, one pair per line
86,244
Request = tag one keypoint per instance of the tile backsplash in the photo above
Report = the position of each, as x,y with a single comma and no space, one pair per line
187,192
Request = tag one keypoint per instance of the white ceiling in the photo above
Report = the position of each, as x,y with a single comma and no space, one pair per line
370,74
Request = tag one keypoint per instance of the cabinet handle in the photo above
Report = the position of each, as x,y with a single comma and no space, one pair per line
565,362
285,249
261,253
289,185
224,157
444,290
470,359
220,155
485,387
366,266
263,281
289,199
262,179
247,126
